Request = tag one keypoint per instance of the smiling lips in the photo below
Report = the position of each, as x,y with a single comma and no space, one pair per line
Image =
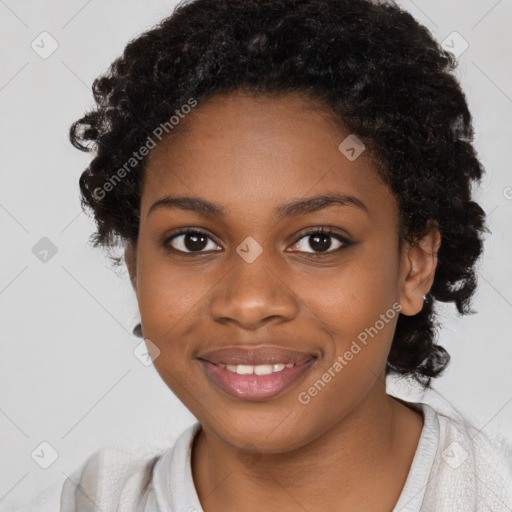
255,373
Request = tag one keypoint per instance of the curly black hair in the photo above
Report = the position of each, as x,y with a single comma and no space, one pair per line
379,71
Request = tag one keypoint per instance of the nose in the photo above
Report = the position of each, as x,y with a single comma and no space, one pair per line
252,295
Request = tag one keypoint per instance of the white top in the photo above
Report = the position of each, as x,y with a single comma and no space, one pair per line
455,468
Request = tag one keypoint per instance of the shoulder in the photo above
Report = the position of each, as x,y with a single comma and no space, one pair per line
467,468
472,466
109,478
123,477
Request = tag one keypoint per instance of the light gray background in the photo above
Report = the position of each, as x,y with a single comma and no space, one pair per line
68,375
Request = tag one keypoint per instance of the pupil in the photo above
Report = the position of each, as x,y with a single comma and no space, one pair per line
195,241
320,242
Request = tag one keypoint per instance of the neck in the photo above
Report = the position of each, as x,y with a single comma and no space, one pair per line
361,462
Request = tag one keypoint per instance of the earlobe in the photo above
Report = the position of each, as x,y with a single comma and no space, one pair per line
419,263
130,258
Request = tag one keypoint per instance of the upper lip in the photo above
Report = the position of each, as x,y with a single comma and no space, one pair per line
255,356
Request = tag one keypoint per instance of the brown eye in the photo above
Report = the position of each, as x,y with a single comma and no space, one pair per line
190,241
321,241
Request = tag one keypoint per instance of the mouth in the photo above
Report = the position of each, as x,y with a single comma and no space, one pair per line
255,374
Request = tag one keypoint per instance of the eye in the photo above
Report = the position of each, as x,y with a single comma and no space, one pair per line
318,241
189,240
321,240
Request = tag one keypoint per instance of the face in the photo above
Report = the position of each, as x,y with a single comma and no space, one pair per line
256,272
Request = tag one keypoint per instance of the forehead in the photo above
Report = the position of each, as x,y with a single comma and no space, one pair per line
248,151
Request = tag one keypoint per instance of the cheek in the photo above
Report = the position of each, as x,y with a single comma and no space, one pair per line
170,299
171,305
354,305
357,304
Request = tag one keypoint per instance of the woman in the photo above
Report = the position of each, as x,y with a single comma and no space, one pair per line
291,183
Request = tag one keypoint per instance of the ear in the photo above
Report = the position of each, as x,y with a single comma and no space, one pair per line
130,258
418,267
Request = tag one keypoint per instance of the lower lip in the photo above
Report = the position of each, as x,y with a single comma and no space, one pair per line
255,387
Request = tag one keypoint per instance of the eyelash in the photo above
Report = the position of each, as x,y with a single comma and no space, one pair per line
316,231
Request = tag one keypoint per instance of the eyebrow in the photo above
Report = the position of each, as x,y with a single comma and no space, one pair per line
293,208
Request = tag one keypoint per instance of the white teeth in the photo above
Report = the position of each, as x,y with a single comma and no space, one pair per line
260,369
244,369
263,369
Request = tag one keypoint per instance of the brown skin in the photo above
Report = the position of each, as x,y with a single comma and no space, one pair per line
351,446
